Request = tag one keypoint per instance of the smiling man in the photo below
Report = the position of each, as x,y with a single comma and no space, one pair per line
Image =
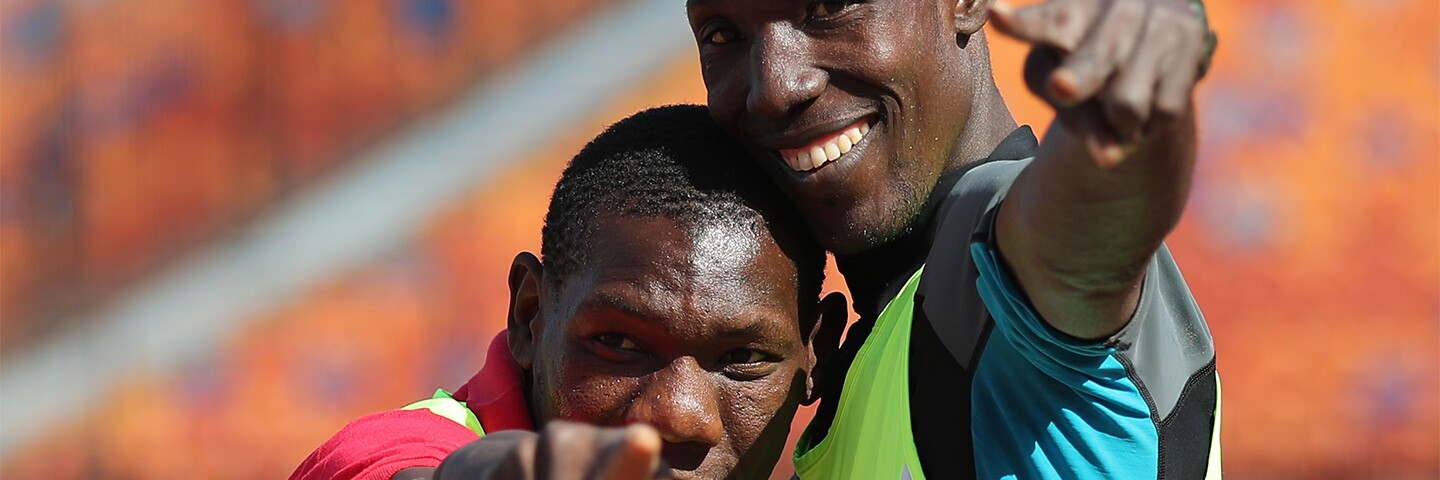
675,321
1020,315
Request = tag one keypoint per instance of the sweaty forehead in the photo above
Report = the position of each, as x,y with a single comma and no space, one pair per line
662,249
724,268
722,250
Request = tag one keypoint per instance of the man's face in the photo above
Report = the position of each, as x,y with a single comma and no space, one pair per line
695,331
790,78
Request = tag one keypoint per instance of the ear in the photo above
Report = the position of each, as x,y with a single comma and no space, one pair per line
970,15
526,277
823,342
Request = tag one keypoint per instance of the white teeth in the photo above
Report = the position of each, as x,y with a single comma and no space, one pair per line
814,157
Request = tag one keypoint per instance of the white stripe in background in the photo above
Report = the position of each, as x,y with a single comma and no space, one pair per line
374,205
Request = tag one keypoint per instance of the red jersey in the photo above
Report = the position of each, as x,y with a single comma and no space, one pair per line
377,446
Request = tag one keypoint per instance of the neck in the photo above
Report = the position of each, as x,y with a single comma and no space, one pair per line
873,274
990,120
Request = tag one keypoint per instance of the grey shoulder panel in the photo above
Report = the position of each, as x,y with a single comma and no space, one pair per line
1166,341
952,303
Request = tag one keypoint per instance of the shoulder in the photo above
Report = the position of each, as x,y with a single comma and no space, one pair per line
378,445
948,285
1167,343
976,193
965,214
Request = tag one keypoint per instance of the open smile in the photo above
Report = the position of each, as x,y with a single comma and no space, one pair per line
826,148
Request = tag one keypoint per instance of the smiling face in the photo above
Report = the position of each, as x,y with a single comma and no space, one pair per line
695,330
853,107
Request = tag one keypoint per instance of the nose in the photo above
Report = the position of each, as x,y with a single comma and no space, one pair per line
782,74
682,404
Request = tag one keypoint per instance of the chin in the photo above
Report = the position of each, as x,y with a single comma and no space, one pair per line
847,244
858,232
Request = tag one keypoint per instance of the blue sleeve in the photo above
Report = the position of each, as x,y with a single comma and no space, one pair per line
1163,347
1047,405
1067,359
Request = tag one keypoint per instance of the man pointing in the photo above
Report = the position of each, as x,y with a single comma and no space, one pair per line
1020,316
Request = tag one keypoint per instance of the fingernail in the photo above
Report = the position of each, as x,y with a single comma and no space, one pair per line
1062,86
643,438
1113,154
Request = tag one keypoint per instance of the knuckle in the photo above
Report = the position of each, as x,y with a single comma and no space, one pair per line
1128,15
1181,21
1127,106
1059,16
1132,102
1186,50
1059,22
557,435
1192,30
1068,23
1158,30
1170,107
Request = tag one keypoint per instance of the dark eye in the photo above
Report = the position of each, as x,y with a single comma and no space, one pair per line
827,8
744,356
720,36
617,341
749,364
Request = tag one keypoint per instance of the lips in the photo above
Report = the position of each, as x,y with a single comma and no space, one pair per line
825,148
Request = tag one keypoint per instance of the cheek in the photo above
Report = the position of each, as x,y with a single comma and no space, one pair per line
584,395
725,102
750,407
727,83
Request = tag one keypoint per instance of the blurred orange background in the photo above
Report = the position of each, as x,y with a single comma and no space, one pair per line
138,132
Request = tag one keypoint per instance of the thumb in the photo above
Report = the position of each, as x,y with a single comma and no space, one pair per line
1085,121
635,457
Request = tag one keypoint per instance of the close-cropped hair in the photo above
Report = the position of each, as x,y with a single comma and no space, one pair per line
672,162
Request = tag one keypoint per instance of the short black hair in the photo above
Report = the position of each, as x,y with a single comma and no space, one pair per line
672,161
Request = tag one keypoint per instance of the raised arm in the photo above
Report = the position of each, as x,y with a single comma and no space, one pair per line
1080,225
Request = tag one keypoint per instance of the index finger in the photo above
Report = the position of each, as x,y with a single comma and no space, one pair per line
1058,23
636,456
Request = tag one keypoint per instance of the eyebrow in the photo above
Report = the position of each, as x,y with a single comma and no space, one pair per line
749,325
604,301
693,3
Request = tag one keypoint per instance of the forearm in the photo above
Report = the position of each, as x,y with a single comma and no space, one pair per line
1078,236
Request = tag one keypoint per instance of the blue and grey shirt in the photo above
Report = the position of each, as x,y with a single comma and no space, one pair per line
1037,403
